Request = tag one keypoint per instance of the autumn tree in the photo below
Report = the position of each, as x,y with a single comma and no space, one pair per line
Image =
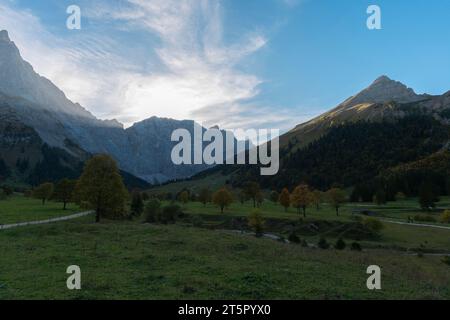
222,198
285,199
184,197
102,189
43,191
204,196
64,191
253,191
301,198
337,198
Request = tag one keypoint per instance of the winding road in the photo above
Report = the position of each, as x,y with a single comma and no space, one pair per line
29,223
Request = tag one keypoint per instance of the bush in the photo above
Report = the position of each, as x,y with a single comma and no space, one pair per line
304,243
152,210
256,222
373,224
197,221
294,238
424,218
340,244
355,246
323,244
169,214
445,217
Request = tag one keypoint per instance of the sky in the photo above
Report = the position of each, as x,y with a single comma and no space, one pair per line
233,63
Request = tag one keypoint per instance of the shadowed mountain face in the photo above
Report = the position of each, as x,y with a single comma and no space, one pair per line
383,126
143,149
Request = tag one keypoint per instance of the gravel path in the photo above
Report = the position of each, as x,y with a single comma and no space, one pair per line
29,223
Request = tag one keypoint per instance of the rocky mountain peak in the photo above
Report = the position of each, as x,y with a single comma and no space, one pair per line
4,36
384,89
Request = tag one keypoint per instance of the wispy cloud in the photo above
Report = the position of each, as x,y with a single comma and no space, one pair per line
198,74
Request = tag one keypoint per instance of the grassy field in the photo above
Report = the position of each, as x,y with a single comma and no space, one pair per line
20,209
133,260
140,261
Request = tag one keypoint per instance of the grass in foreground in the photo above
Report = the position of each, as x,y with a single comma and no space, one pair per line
17,209
131,260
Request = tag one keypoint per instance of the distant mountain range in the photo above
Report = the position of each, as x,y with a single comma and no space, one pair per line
44,135
34,101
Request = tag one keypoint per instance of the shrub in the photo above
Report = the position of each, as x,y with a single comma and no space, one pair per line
304,243
323,244
256,222
373,224
355,246
445,217
294,238
169,214
152,210
340,244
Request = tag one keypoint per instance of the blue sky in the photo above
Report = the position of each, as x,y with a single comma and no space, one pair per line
252,63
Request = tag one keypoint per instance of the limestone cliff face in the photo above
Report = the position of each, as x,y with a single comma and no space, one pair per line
143,150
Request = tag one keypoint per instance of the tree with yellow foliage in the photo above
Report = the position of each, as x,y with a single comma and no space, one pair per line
301,198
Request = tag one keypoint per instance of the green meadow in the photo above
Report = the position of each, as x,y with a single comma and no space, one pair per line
210,260
17,209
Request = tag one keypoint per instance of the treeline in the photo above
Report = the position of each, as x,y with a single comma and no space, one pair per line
54,165
428,178
353,154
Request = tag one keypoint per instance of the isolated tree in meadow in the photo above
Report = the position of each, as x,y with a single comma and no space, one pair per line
301,198
337,198
253,191
137,204
222,198
285,199
43,192
204,196
64,191
184,197
101,188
